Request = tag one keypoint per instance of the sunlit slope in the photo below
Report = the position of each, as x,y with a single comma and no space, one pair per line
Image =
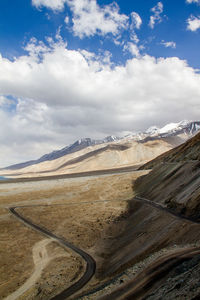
97,157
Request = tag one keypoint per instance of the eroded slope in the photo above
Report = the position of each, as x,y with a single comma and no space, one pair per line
175,179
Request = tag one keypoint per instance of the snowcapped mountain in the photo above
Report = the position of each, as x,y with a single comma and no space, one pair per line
187,128
152,130
78,145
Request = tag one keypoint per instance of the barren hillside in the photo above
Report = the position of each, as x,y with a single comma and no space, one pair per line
173,189
175,179
96,157
190,150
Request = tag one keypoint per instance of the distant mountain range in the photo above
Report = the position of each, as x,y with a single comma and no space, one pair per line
78,145
187,128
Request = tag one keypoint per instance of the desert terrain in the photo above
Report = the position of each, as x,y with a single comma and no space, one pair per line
100,215
133,234
81,210
98,157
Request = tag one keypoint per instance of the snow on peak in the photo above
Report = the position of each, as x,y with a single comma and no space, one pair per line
111,138
169,127
152,130
185,123
185,126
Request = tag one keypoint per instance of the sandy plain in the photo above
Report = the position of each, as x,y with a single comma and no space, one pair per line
79,209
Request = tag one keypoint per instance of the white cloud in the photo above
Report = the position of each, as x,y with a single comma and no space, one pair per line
193,23
56,5
156,17
193,1
136,21
133,49
134,37
64,95
169,44
90,19
66,19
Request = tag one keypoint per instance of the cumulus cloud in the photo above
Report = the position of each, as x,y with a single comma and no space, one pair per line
156,17
169,44
56,5
193,23
57,89
90,19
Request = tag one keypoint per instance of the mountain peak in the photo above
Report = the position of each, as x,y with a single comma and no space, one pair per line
185,126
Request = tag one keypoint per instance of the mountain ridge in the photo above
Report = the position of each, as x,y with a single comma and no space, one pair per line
186,128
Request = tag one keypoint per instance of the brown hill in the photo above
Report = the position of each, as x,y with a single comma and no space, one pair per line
97,157
173,188
188,151
175,179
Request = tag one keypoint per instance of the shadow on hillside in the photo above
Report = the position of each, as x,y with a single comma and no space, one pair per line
139,232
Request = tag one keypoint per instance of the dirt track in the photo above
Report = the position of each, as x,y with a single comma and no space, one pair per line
83,227
91,265
90,262
146,203
163,208
41,258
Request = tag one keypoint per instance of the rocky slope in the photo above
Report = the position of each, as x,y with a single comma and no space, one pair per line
175,179
171,219
189,151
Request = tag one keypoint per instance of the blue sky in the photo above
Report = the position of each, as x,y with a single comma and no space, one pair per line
20,21
87,68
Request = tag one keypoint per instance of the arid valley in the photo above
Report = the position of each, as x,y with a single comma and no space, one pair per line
81,210
123,233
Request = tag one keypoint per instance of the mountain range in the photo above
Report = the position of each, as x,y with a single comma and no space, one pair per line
86,155
184,129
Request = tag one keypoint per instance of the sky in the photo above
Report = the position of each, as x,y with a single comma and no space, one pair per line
71,69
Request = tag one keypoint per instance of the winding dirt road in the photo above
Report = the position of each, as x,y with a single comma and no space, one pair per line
90,262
